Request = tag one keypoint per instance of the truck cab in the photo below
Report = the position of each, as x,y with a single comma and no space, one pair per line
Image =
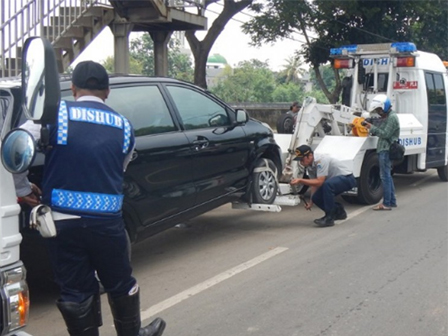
37,93
415,81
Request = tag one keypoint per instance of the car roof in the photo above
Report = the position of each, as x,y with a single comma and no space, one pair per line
128,79
65,80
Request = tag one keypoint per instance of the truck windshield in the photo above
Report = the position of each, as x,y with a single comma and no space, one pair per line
382,82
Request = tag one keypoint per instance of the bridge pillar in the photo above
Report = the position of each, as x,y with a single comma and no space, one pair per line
160,39
121,30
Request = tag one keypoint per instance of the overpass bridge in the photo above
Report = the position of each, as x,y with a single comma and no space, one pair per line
71,25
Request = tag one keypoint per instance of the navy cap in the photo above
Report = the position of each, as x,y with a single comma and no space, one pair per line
91,76
302,151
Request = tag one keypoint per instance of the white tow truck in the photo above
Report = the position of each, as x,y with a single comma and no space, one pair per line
38,95
416,83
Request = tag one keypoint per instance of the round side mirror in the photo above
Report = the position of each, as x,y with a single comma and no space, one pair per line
18,151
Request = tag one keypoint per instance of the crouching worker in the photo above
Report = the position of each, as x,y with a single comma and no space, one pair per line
82,183
328,178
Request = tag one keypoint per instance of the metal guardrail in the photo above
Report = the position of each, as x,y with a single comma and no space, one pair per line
182,4
20,19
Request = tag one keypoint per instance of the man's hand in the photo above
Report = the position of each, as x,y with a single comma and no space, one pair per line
308,205
295,181
33,198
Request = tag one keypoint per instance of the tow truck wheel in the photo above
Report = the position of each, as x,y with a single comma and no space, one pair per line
285,124
264,186
443,173
370,189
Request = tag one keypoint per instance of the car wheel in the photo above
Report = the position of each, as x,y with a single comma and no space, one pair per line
285,124
264,186
443,173
370,189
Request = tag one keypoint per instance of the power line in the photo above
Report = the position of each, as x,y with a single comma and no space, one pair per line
304,42
251,16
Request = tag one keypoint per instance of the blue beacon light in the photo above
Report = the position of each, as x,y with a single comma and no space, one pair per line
339,51
404,46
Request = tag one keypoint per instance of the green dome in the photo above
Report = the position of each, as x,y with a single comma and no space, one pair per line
216,58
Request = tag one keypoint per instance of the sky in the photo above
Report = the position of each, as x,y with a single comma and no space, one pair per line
232,44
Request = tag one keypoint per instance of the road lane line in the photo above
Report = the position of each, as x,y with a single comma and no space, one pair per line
355,213
157,308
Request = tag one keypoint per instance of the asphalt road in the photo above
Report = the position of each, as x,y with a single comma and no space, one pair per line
238,272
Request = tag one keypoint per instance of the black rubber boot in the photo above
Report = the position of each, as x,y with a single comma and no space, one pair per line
126,312
155,328
328,220
82,319
341,214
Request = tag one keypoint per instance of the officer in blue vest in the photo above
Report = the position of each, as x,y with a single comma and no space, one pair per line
90,147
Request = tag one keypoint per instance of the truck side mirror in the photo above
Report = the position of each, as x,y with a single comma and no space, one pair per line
40,81
361,73
18,151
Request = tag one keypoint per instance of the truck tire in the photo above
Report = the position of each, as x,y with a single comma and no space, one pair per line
370,189
285,124
264,186
443,173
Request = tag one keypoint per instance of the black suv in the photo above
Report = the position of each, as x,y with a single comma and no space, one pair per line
193,152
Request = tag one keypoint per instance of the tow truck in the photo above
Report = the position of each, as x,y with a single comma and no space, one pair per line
40,100
416,83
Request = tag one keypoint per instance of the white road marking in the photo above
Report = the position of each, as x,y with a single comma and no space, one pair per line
161,306
355,213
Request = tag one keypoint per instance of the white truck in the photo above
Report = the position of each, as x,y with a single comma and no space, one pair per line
416,83
40,100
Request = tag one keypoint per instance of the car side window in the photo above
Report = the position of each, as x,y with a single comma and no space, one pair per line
143,106
197,110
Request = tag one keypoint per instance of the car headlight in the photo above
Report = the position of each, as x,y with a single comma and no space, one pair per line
15,295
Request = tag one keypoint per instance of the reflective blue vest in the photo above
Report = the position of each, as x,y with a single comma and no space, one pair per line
83,172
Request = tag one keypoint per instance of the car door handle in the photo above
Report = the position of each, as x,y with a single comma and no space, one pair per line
200,144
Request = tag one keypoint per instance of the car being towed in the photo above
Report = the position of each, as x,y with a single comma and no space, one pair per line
193,153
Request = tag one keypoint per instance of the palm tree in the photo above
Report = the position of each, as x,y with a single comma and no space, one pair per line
293,69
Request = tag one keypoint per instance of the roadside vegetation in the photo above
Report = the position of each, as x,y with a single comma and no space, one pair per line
321,25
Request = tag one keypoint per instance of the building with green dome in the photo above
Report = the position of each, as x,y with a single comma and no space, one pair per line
216,58
214,67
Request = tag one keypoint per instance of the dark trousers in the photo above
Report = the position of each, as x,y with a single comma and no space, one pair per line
83,246
324,196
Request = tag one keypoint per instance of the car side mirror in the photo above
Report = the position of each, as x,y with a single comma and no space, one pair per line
18,151
40,81
241,116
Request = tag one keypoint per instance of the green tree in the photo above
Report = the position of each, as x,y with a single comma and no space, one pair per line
292,70
142,53
134,66
201,49
327,77
288,93
342,22
251,81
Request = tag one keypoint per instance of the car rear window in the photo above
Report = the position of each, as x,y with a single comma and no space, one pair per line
143,106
